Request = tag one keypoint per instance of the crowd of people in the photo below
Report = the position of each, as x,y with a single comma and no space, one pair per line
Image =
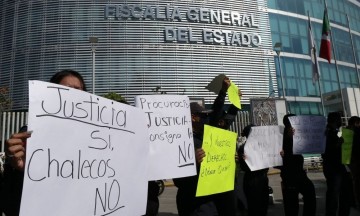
343,180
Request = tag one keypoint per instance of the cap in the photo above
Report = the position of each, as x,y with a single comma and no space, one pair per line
197,108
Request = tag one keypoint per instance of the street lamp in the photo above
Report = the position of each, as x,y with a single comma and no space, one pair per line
277,49
93,41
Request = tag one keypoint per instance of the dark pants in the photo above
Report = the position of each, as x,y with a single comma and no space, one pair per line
225,203
355,172
11,191
293,184
339,196
222,204
152,207
256,187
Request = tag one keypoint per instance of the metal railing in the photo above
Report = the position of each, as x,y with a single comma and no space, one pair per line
242,120
11,122
313,163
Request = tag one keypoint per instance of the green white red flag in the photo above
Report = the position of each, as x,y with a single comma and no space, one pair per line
325,47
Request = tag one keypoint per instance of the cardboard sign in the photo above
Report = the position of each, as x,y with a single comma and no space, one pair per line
234,98
172,152
217,172
87,155
309,136
233,91
263,147
216,84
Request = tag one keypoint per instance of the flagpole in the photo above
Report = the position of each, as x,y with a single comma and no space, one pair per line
336,67
271,85
321,97
317,65
353,49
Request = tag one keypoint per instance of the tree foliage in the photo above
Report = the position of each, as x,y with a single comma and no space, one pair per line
115,97
5,101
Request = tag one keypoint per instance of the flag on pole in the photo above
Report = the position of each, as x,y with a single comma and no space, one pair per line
325,47
312,53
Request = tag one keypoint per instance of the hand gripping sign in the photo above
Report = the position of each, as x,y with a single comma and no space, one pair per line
87,155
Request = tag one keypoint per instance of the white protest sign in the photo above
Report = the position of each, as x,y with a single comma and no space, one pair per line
170,134
87,155
309,136
263,146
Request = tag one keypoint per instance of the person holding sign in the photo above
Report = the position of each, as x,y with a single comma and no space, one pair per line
187,202
225,119
294,177
256,183
16,147
355,158
338,193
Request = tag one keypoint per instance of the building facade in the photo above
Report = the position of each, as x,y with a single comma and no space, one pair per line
289,26
176,47
180,46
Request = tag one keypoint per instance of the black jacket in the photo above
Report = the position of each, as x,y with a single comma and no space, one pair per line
190,183
332,154
11,190
291,163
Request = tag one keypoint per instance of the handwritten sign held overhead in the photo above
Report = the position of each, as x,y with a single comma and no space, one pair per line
217,171
170,134
87,155
309,136
263,146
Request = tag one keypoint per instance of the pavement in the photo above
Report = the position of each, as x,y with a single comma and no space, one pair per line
168,198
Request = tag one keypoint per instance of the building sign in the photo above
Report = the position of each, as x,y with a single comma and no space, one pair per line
193,15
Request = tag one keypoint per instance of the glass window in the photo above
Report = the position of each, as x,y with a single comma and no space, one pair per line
285,40
275,38
296,42
337,10
305,45
305,108
272,4
283,25
342,45
303,27
274,22
300,8
291,5
356,40
293,26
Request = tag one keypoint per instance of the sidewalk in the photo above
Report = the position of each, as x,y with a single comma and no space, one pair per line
168,198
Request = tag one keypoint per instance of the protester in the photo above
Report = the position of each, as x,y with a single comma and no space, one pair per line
153,204
186,201
294,177
16,147
355,159
256,183
338,193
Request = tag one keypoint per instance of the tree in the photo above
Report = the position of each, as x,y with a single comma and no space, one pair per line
5,101
115,97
